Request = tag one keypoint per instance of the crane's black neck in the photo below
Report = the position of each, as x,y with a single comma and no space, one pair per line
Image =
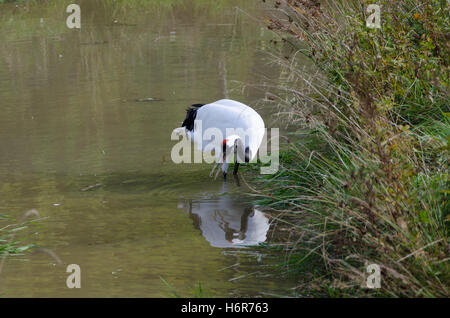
191,114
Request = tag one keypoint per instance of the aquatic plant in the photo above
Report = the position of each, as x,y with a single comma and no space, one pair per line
9,244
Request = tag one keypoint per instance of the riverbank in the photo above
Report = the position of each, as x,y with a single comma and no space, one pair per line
364,178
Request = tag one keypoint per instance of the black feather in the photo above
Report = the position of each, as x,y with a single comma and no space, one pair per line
191,113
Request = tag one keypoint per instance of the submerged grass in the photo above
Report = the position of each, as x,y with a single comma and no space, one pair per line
366,179
9,244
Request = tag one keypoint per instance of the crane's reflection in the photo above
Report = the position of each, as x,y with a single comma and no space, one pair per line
226,221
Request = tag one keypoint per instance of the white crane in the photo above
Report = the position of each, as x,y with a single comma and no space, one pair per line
241,126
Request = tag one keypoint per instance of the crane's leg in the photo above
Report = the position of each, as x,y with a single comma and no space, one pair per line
220,158
236,167
214,168
225,169
238,182
224,160
236,163
224,166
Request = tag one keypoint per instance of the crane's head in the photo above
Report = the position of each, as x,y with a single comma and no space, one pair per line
234,144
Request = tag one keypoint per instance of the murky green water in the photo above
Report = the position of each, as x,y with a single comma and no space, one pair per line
72,116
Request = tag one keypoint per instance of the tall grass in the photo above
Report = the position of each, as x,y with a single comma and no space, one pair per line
366,181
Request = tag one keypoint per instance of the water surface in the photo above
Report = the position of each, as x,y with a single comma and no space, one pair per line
82,141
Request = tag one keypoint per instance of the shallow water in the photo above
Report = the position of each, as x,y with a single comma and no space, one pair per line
81,142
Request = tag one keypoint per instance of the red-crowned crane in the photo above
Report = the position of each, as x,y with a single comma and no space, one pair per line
241,127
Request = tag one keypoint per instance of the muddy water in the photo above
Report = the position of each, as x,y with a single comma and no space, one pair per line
85,124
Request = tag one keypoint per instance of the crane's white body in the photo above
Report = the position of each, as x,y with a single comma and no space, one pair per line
227,114
240,127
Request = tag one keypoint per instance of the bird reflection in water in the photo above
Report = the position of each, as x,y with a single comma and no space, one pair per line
226,221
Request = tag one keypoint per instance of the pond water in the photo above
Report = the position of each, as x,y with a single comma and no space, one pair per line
85,124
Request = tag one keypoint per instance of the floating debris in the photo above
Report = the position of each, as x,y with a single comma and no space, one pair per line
91,187
140,100
221,24
94,43
117,23
148,99
130,181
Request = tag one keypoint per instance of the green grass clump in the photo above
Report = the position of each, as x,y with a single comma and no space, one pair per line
9,244
366,181
196,292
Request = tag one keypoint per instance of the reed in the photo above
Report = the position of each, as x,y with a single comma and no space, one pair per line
364,179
